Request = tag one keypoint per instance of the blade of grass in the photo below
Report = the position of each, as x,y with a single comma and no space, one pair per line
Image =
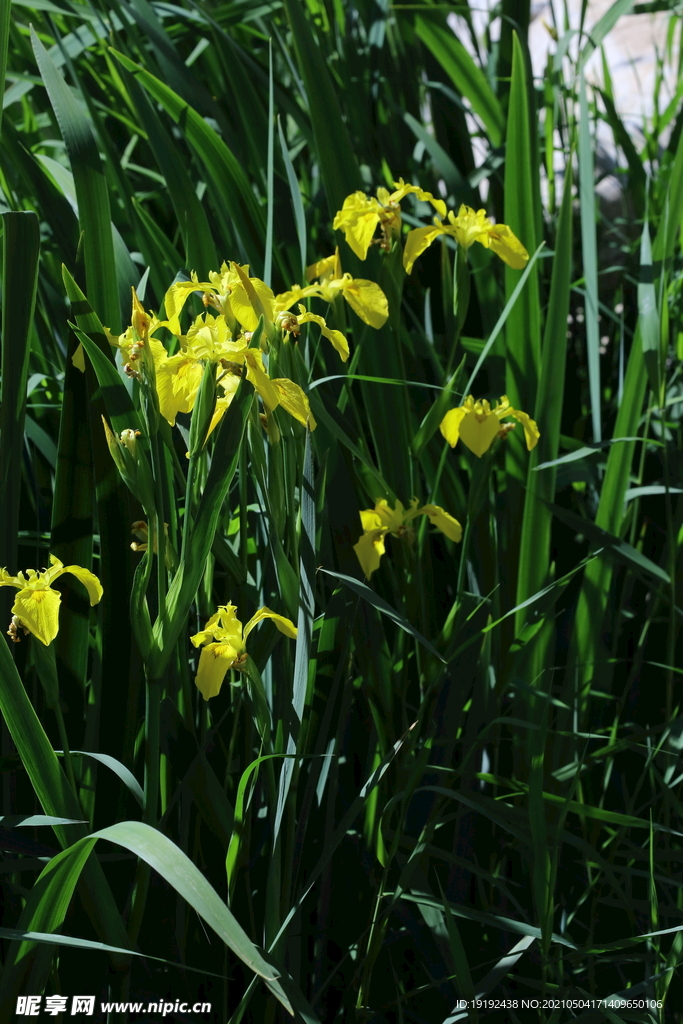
534,559
589,254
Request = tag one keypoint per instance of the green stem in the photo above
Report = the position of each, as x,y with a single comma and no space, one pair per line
191,473
151,806
68,761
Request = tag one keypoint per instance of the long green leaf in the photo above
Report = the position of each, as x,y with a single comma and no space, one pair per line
20,254
59,879
468,79
91,190
338,164
5,18
231,189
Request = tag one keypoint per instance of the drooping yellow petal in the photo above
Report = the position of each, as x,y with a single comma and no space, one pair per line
294,401
39,612
358,219
336,337
479,433
10,581
443,521
531,431
285,626
214,662
450,425
506,245
230,384
370,549
403,189
87,578
260,379
367,300
417,241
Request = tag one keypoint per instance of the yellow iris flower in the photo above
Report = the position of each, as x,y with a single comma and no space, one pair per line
365,298
360,215
383,519
231,292
225,640
36,608
210,339
241,300
477,425
468,227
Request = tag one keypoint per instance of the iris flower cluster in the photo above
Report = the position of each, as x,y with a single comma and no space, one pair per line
235,304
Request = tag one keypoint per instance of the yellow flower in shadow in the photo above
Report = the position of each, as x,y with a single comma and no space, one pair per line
384,519
225,640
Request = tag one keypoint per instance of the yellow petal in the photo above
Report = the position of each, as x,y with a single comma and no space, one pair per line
250,298
470,227
39,612
230,385
285,626
417,241
391,518
178,379
214,662
479,434
358,219
287,299
413,511
294,401
506,245
176,297
368,301
10,581
87,578
370,549
260,379
402,190
370,520
336,337
450,425
531,431
443,521
338,340
223,626
322,267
